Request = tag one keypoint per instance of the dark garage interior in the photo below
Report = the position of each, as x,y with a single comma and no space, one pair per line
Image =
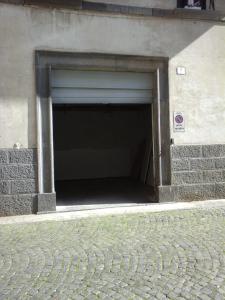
103,154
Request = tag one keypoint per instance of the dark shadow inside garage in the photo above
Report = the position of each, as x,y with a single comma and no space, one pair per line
103,154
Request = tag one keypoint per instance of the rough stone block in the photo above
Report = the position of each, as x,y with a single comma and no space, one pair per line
188,193
186,151
213,150
17,171
220,190
180,178
18,205
202,164
26,171
198,192
23,187
180,164
208,191
213,176
220,163
3,157
46,202
23,156
8,172
4,187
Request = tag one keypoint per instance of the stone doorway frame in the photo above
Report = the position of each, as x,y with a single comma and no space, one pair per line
45,61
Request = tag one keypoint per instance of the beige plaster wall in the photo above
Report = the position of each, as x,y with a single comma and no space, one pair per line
199,46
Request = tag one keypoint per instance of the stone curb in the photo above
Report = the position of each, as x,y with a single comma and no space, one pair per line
148,208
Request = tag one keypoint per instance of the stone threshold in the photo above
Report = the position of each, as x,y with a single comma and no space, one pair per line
127,10
135,209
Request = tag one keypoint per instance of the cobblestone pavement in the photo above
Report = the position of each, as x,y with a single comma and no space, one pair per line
167,255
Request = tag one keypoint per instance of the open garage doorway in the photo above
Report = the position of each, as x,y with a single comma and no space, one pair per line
103,139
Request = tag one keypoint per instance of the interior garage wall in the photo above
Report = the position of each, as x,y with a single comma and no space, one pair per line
199,46
101,142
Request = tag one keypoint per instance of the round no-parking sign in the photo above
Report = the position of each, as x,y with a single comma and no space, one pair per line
178,122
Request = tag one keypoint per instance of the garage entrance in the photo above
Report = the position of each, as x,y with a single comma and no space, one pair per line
103,141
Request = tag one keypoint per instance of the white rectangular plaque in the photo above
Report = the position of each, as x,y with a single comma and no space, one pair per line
181,71
178,122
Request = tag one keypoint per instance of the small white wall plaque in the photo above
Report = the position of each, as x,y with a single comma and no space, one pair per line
181,71
178,122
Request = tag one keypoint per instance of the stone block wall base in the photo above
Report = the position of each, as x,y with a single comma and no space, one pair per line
192,192
198,172
11,205
46,202
18,171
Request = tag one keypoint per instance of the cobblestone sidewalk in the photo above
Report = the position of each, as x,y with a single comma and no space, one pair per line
167,255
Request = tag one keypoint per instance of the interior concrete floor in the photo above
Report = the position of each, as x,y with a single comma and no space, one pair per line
101,193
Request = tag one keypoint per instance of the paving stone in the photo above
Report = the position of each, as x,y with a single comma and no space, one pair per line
167,255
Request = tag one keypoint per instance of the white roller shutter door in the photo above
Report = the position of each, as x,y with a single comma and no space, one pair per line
100,87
